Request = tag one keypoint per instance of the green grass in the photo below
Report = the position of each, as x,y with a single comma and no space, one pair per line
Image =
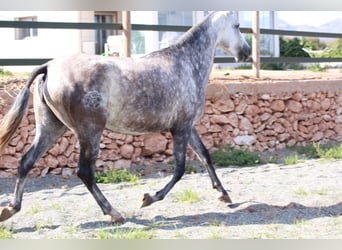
321,151
321,192
301,192
291,160
125,234
236,157
35,209
5,72
5,233
187,196
116,176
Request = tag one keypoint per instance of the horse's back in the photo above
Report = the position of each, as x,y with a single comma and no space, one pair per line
132,96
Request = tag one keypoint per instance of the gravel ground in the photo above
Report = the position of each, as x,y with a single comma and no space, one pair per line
276,201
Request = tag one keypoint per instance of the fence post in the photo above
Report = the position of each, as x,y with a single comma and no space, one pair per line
255,44
126,33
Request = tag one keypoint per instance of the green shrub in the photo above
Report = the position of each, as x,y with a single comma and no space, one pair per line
316,68
323,151
236,157
116,176
328,152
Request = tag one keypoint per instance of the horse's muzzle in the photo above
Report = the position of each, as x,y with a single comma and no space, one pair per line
245,54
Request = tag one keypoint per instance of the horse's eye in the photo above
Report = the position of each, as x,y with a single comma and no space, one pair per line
237,26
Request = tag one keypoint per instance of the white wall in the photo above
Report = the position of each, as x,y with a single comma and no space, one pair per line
49,43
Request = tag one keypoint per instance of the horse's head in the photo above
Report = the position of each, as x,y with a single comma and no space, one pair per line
230,38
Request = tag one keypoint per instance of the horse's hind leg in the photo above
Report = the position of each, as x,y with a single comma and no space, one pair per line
89,147
203,154
180,141
48,130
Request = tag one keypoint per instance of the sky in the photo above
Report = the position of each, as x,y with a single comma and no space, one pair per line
312,18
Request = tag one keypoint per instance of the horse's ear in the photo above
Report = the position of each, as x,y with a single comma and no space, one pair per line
228,13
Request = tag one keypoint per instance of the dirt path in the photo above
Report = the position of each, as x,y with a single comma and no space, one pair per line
299,201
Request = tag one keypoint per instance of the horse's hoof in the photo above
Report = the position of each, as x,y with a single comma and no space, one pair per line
225,198
147,200
5,213
117,220
235,205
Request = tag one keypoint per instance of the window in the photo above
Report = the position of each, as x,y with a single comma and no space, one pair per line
102,35
173,18
23,33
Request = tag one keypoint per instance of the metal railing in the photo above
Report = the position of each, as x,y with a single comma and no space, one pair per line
172,28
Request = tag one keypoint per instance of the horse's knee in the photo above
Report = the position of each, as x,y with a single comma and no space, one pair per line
25,165
86,175
179,172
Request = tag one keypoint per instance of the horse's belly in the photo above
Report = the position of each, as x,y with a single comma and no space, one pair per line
137,125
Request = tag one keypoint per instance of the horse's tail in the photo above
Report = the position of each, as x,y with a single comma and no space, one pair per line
14,116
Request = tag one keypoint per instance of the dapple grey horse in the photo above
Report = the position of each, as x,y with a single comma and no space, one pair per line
162,91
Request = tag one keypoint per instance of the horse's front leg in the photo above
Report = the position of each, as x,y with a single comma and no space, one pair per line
180,141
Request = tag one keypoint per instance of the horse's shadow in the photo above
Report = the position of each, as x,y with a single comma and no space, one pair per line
255,214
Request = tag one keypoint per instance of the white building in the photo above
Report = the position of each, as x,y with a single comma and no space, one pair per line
51,43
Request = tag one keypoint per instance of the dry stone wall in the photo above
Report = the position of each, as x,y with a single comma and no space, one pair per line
265,116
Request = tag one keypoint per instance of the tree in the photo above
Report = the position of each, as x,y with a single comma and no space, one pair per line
334,49
313,43
292,47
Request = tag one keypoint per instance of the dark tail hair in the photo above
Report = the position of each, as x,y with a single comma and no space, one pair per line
14,116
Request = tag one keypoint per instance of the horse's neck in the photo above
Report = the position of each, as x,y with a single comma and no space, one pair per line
200,44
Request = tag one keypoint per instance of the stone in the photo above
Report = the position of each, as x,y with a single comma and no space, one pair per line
339,119
246,125
67,172
265,97
219,119
8,162
278,128
283,137
226,106
35,172
208,141
294,106
62,160
201,129
278,105
233,119
51,161
252,110
297,96
56,171
265,116
127,151
122,164
325,104
317,136
245,140
215,129
153,144
44,172
241,107
69,150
